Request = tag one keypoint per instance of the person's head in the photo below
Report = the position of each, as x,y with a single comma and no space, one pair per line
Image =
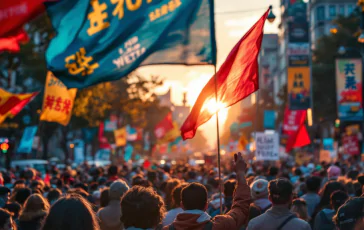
194,196
104,197
6,220
79,191
349,214
14,208
273,171
117,189
229,187
313,184
170,185
82,186
53,195
333,172
4,195
142,208
176,195
192,175
280,191
35,203
327,190
152,176
22,195
337,199
297,172
299,207
112,171
71,212
259,189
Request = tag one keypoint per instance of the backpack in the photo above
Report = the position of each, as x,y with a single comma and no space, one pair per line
208,226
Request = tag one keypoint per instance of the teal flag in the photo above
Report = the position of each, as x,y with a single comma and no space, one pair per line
105,40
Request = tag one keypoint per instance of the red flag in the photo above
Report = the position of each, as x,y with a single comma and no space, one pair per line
12,43
12,104
294,127
15,13
236,79
103,143
164,126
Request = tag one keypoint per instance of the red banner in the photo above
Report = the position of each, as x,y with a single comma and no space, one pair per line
351,145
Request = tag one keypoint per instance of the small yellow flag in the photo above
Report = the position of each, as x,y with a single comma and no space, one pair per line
171,135
120,137
58,101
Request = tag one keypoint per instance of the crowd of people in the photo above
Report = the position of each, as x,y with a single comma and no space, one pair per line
180,196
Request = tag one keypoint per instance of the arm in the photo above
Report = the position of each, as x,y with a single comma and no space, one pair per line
239,212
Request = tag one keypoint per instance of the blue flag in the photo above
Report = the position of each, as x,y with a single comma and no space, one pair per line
104,40
26,141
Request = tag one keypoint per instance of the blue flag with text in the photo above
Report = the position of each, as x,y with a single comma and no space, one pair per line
105,40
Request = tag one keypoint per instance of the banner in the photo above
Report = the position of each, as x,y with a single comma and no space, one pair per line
57,102
330,145
26,142
104,40
128,152
12,104
267,147
171,134
269,119
299,88
120,137
351,145
349,89
110,125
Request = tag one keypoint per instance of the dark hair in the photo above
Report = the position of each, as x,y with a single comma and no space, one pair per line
142,208
71,212
79,191
112,170
313,183
152,175
280,191
337,199
53,195
14,208
104,197
191,175
326,191
273,171
229,187
176,195
194,196
82,186
297,172
22,195
5,215
92,187
170,185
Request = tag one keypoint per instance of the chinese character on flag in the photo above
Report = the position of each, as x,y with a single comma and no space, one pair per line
57,102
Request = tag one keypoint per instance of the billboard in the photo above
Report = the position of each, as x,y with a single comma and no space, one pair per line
299,88
298,32
349,89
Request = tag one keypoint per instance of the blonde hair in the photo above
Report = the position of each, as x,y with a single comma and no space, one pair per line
299,207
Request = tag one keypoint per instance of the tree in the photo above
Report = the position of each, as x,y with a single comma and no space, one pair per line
323,72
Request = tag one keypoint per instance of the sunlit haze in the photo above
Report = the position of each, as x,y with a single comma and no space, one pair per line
230,27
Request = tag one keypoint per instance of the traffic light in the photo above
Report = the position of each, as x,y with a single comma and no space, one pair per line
337,123
4,147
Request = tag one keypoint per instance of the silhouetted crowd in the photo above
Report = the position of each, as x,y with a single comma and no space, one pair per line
179,196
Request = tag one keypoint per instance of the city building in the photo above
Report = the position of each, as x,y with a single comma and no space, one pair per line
179,112
324,12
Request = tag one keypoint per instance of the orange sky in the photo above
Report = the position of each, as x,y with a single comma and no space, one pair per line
229,29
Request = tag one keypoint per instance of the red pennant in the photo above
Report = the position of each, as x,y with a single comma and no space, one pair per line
237,78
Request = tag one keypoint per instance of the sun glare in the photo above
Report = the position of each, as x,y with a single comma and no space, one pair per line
213,107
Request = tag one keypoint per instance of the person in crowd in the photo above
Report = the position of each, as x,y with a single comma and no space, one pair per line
170,185
333,173
324,219
15,209
53,195
279,216
35,210
4,196
110,215
259,193
113,173
229,188
312,198
272,173
350,215
297,173
299,207
6,220
21,195
142,208
176,201
71,212
325,193
194,204
104,198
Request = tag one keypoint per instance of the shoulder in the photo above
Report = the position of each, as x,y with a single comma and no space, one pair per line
299,222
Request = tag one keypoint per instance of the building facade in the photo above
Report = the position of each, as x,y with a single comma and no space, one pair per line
324,12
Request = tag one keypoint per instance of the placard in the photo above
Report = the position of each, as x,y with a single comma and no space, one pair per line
267,147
